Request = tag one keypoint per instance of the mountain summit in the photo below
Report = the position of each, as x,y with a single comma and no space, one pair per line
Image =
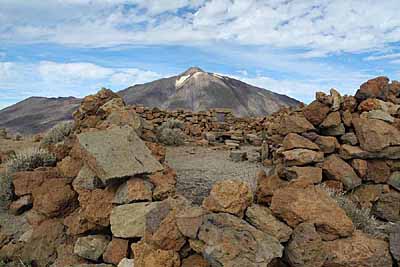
193,89
198,90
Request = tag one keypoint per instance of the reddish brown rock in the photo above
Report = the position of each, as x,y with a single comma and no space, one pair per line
349,103
294,123
300,157
360,250
337,169
261,218
133,190
195,260
367,194
316,112
374,88
96,205
77,224
147,256
229,196
25,182
54,197
388,207
157,150
296,204
162,231
306,247
69,167
116,250
311,174
266,186
332,120
43,244
378,171
360,166
347,118
375,135
369,104
293,141
189,220
164,183
87,116
328,144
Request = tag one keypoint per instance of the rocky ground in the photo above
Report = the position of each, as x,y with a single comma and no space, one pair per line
198,168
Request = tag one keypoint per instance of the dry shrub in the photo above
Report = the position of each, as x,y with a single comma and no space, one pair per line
170,133
30,159
361,217
58,133
6,190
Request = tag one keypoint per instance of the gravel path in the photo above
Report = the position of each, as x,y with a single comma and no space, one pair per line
198,168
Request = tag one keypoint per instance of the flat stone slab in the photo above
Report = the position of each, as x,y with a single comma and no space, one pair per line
117,153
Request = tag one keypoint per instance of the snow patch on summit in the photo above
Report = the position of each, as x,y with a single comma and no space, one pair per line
181,80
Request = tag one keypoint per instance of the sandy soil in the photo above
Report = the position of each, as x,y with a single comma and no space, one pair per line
198,168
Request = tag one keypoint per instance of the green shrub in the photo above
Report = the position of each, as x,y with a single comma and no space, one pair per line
170,133
58,133
30,159
361,217
6,190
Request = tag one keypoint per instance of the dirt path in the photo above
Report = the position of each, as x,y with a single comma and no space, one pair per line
199,167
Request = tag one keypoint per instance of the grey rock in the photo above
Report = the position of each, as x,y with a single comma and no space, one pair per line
86,179
380,115
129,221
334,131
91,247
261,218
230,241
117,153
126,263
349,138
394,180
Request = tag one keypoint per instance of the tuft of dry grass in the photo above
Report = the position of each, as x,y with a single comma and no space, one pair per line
170,133
361,217
30,159
58,133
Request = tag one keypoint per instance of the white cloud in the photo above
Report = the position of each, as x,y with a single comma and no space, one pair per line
128,77
319,27
72,71
383,57
52,79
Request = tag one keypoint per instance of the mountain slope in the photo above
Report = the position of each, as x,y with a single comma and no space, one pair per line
36,114
194,90
198,90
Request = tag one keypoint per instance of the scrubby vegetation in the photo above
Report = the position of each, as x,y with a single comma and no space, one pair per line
361,217
58,133
30,159
170,133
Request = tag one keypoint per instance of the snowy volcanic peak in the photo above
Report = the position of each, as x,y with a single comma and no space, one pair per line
195,72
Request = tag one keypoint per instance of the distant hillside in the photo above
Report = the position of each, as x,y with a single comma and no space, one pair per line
36,114
198,90
194,90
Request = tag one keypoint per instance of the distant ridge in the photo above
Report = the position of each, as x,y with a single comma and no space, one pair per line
193,89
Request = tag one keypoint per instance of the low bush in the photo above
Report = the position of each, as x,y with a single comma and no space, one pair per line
30,159
58,133
361,217
170,133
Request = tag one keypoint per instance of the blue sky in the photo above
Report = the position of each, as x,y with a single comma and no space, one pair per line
298,47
